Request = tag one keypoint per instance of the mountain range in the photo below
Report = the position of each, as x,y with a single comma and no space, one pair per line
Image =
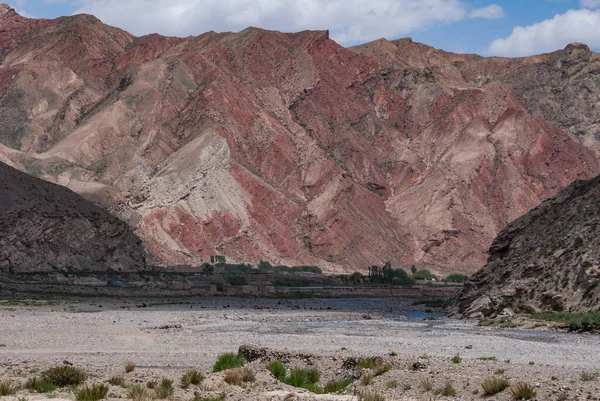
288,147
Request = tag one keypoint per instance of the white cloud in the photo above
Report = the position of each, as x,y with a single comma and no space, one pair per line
493,11
590,3
551,34
349,21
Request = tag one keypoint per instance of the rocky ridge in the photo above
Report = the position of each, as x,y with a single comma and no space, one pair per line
290,148
546,260
46,228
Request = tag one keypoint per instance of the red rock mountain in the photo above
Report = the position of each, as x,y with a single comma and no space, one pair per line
291,148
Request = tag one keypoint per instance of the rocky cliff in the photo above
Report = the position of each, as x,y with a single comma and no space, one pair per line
548,259
290,148
45,227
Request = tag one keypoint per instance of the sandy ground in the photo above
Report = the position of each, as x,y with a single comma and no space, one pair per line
166,340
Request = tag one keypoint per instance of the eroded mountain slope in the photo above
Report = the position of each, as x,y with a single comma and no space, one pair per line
284,147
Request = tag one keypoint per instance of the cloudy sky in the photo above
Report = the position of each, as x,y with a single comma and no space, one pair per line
496,27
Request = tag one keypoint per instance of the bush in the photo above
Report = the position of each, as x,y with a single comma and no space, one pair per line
94,393
423,274
522,391
456,359
191,377
7,387
62,376
165,389
494,385
304,378
239,376
129,366
574,321
277,369
228,360
40,385
457,278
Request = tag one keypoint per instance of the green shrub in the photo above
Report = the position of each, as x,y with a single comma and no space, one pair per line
304,378
423,274
366,363
94,392
456,359
457,278
228,360
62,376
493,385
190,377
40,385
277,369
574,321
522,391
165,389
7,387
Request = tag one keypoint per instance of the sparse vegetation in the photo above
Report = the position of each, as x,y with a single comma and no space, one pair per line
190,377
499,371
165,389
94,392
39,385
366,378
277,369
392,384
573,321
239,376
116,381
8,387
62,376
138,392
337,386
494,385
426,385
129,366
228,360
369,395
448,390
587,376
304,378
456,359
487,358
522,391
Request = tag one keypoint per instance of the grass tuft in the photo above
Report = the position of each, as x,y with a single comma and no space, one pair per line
229,360
522,391
116,381
62,376
95,392
39,385
337,386
456,359
587,376
426,385
277,369
239,376
494,385
448,390
369,395
190,377
8,387
129,366
165,389
138,392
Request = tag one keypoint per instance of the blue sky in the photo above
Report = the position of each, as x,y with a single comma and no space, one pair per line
501,27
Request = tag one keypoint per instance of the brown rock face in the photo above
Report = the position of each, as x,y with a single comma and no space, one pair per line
286,147
547,259
45,227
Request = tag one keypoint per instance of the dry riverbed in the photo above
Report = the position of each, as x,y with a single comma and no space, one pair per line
166,340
